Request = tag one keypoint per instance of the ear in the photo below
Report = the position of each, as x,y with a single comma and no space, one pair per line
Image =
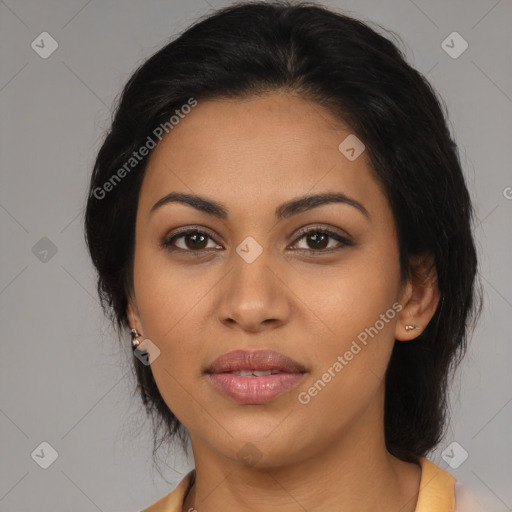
133,314
419,298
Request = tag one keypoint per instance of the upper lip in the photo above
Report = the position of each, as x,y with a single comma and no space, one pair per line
254,360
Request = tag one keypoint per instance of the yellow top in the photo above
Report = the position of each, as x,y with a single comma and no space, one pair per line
436,491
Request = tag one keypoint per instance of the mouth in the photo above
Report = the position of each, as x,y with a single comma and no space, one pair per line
255,362
254,373
254,377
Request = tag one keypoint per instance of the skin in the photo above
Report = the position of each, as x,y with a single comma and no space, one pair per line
252,155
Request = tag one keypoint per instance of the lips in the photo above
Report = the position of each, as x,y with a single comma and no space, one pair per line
244,361
255,377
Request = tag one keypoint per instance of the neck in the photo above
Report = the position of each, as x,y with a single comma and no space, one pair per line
352,472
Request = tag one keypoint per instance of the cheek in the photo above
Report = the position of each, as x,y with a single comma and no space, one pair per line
167,296
169,310
169,305
353,295
350,367
358,307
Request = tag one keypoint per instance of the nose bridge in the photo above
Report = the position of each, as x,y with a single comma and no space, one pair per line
251,279
252,293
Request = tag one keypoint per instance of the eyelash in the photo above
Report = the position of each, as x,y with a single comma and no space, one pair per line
168,242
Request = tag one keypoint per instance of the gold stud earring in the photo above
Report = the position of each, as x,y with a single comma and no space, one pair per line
411,327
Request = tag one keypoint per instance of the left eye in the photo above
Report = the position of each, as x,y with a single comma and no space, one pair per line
320,239
195,240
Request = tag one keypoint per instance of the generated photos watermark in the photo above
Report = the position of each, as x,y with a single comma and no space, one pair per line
305,397
143,151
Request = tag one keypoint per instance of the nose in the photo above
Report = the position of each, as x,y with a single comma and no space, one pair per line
254,296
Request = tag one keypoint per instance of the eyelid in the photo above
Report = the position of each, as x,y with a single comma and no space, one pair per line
323,228
190,228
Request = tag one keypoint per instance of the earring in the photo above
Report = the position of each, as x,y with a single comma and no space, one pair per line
410,327
135,338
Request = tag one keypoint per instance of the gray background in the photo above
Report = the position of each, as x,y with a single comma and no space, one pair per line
63,378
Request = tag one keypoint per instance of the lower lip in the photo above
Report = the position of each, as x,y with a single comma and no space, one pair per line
255,390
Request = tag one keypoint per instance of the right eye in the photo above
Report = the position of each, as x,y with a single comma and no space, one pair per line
191,240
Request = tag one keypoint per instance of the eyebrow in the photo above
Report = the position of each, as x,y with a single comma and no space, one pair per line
284,211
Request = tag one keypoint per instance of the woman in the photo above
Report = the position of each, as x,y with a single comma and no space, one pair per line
279,217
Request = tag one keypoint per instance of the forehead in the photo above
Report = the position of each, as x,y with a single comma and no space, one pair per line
255,151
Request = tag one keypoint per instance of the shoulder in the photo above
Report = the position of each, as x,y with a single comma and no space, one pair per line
439,490
436,492
173,501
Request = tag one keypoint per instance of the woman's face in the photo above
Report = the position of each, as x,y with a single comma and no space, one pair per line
252,280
